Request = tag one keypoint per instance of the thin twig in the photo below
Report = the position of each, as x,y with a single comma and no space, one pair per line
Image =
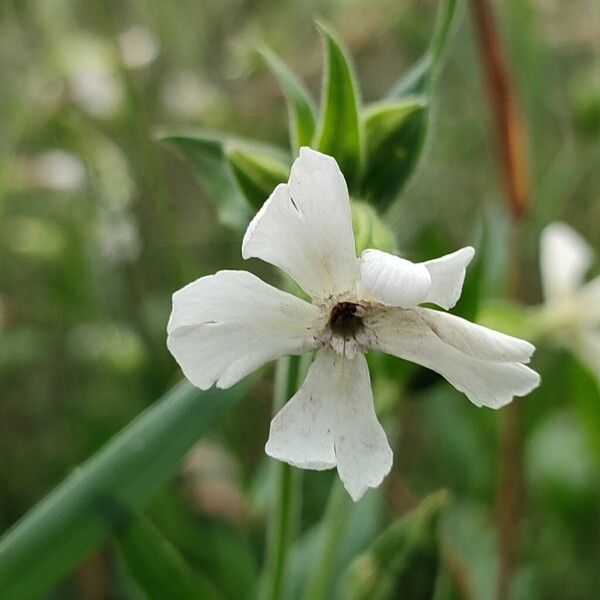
512,142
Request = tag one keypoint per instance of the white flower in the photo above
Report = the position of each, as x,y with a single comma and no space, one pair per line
226,325
572,307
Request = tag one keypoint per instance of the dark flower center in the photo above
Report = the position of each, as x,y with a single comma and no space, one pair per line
344,321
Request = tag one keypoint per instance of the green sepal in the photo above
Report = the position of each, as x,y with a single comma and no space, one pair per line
301,110
369,229
205,151
258,169
403,561
339,130
393,134
156,564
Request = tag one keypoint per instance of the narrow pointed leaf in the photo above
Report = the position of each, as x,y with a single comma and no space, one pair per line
157,565
393,134
301,110
78,516
205,153
403,562
339,131
418,80
417,84
257,170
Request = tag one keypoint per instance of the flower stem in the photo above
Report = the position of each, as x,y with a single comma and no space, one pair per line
286,506
333,527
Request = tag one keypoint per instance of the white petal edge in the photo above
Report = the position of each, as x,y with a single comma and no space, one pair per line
405,334
394,280
564,258
476,340
226,325
305,228
448,276
331,421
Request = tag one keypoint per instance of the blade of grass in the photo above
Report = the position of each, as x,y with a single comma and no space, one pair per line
80,513
157,565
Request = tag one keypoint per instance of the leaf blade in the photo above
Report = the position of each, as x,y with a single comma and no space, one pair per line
339,130
80,513
156,564
301,110
257,169
392,132
204,151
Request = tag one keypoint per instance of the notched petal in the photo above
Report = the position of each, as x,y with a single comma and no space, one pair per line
305,228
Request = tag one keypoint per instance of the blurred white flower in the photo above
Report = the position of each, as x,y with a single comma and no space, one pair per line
224,326
119,238
92,76
57,170
187,96
138,47
572,308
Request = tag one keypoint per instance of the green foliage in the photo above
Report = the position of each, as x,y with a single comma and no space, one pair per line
377,149
301,110
257,169
80,514
206,155
409,139
403,561
157,566
391,130
339,131
370,231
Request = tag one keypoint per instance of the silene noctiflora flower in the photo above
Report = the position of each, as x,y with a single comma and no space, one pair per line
224,326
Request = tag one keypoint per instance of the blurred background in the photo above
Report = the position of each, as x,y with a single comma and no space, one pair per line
99,224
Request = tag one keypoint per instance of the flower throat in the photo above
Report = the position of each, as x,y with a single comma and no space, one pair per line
345,321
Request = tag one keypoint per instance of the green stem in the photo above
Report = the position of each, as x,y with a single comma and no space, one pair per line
284,514
333,528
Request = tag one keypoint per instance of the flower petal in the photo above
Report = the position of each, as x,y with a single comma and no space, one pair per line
394,280
406,334
447,276
564,258
331,420
302,431
364,456
225,326
305,228
476,340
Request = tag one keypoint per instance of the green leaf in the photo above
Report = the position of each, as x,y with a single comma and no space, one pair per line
301,111
218,548
339,132
393,134
258,169
80,513
419,79
415,86
205,153
157,566
403,562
